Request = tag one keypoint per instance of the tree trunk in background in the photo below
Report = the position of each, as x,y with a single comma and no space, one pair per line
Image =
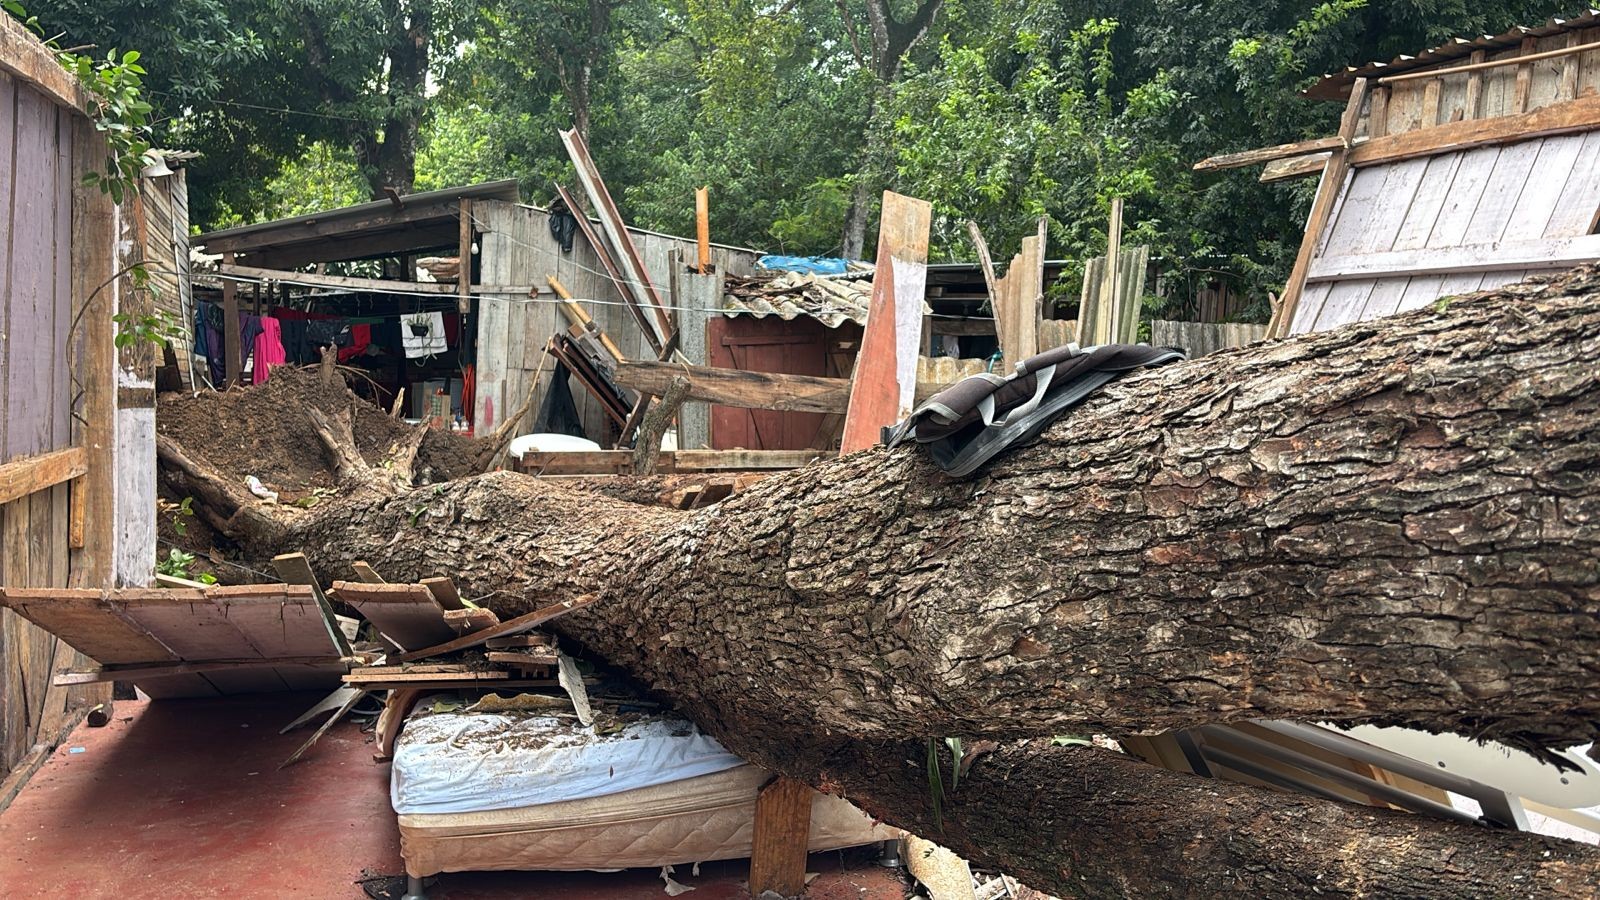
390,161
1393,522
891,40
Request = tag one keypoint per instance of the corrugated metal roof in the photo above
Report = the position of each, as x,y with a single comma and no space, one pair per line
490,190
831,300
1336,86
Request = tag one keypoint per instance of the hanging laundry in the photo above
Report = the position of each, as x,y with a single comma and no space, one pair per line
360,338
269,350
422,334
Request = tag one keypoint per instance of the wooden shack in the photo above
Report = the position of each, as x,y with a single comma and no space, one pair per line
77,462
1465,167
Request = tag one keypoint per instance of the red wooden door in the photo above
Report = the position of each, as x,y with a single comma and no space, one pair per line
795,347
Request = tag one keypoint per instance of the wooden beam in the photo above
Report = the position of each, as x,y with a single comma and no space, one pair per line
232,353
1297,167
1582,114
1554,253
295,568
781,839
443,212
378,285
580,318
32,474
444,592
611,462
441,236
191,667
513,626
1268,154
884,382
94,364
610,265
1524,89
741,389
1474,102
1333,178
702,228
464,259
1494,63
24,56
969,327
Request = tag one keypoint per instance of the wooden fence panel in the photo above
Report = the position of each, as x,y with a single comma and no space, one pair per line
1202,338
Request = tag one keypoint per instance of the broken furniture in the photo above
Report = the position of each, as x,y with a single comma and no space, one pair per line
192,643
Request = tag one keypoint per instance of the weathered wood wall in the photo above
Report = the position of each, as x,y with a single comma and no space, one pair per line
58,384
1461,214
164,204
1201,338
516,248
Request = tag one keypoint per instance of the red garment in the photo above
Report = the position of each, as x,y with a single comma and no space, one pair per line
360,339
269,350
469,392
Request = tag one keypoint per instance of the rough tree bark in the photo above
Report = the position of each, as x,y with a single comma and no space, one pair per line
1393,522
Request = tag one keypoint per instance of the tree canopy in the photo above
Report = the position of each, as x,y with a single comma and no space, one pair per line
795,114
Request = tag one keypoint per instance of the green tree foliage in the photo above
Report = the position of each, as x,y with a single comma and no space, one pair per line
790,111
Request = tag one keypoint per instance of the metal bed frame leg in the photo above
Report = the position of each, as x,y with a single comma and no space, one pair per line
414,889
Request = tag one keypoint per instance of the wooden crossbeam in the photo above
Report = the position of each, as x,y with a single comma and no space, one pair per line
518,625
1268,154
1582,114
32,474
739,388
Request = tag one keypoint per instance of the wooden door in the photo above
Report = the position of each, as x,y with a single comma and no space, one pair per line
796,347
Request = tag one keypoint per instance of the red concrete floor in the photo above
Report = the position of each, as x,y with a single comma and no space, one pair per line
183,799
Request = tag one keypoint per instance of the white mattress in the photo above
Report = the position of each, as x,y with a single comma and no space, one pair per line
460,762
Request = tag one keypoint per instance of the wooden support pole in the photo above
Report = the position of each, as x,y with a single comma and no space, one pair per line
1333,178
1105,324
781,839
464,259
702,227
233,360
1524,90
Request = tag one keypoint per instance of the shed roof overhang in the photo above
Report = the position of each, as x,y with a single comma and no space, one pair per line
407,224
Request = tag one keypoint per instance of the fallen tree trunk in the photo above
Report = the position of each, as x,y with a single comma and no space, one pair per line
1389,523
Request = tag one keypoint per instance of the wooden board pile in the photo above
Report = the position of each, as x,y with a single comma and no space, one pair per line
430,639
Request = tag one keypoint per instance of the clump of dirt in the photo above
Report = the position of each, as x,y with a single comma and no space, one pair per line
265,431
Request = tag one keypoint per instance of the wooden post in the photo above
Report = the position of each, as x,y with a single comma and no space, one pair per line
1110,310
464,260
1333,178
782,837
1474,102
94,363
232,359
884,383
702,225
1524,88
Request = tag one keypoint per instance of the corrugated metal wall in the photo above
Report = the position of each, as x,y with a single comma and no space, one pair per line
166,250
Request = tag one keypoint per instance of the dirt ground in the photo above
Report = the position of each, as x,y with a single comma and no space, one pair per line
264,431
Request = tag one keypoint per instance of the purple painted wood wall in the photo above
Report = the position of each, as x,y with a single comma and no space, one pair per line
35,290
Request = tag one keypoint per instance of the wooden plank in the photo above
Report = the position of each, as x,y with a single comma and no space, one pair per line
93,361
140,673
1430,103
372,285
83,619
444,592
1271,154
233,358
1582,114
366,573
1298,167
295,568
1537,254
1473,107
24,56
1328,194
518,625
30,336
1343,304
1579,197
781,838
702,229
625,254
22,477
1542,189
1467,188
405,613
739,388
402,677
521,659
1519,103
1426,202
468,621
1017,304
464,258
1378,113
607,462
884,383
1503,192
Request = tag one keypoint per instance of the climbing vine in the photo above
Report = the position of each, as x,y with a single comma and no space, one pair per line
117,107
